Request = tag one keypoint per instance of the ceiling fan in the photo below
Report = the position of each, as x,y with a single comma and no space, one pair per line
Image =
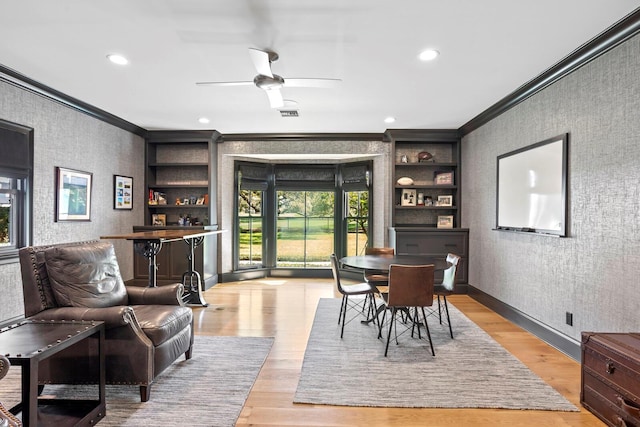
272,83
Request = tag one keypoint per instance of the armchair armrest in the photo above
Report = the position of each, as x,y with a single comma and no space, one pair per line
111,316
161,295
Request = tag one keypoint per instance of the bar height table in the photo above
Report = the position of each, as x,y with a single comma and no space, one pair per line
149,244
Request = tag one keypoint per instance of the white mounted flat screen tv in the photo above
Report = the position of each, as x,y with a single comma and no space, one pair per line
532,188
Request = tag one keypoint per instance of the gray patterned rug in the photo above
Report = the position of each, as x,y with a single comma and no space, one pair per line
470,371
208,390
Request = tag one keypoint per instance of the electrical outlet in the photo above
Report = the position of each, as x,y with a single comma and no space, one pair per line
569,319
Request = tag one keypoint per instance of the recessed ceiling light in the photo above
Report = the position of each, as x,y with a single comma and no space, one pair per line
204,120
428,55
390,119
117,59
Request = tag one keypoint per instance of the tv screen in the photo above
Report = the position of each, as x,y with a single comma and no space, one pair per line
532,188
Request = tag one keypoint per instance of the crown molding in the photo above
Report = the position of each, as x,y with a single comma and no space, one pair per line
618,33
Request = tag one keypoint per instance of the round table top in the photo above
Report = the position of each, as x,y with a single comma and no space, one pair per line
382,262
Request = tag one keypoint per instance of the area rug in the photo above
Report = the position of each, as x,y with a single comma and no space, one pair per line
470,371
208,390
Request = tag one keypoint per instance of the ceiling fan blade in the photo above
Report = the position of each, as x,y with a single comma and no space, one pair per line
239,83
261,61
309,82
275,98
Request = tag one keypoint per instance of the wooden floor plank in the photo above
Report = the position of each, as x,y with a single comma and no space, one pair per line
285,308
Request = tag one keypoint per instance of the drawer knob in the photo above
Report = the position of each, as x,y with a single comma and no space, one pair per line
610,367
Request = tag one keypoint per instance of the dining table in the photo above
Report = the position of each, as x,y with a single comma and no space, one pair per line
149,243
381,262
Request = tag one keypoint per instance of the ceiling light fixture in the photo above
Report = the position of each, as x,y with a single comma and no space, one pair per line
390,119
428,55
117,59
203,120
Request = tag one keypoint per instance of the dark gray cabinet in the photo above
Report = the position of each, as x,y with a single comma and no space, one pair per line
434,244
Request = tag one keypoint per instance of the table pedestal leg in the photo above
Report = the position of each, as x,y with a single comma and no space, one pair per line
191,278
149,249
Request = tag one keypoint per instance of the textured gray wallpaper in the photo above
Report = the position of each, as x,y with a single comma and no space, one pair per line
65,137
593,273
229,151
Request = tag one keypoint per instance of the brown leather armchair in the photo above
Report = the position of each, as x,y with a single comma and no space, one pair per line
147,329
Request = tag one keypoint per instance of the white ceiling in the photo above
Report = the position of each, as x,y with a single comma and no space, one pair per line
488,49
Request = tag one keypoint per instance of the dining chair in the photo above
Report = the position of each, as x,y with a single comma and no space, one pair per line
447,287
359,289
377,277
410,286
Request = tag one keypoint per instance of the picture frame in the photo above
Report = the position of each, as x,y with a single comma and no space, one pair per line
122,192
445,200
443,178
159,220
73,195
445,221
409,197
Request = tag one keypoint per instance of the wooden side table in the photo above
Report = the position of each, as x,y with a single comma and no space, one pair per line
27,343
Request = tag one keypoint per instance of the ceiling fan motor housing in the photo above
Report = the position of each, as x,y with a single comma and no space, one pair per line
268,83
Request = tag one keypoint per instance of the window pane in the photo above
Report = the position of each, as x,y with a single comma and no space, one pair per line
7,212
357,222
250,228
305,228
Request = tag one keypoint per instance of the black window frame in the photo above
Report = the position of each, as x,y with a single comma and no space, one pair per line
16,144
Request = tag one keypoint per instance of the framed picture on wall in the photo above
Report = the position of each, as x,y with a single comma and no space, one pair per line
122,192
73,195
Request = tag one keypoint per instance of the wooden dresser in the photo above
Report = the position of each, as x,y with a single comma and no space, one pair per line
611,377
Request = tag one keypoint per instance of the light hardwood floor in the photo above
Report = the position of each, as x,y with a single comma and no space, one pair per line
285,308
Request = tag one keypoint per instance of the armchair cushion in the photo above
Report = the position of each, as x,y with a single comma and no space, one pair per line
161,322
85,276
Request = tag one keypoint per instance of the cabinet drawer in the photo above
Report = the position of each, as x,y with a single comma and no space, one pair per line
431,243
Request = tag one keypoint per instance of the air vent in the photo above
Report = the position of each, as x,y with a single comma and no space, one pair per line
289,113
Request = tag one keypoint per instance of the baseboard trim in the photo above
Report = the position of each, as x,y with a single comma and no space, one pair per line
563,343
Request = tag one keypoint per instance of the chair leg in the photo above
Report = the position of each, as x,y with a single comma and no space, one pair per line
380,323
426,327
446,307
341,309
344,313
439,310
416,323
145,393
391,323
